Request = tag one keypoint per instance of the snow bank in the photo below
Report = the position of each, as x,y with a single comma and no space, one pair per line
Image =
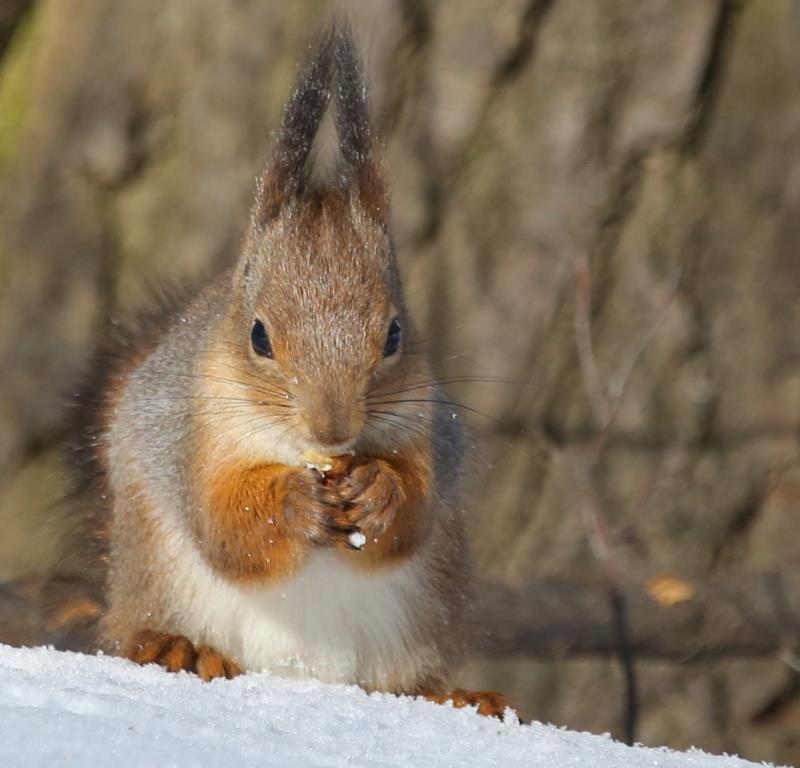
66,709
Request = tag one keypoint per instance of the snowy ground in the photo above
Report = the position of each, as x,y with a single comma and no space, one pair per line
59,709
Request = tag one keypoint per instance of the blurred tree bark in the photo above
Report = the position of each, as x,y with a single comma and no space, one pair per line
595,200
11,13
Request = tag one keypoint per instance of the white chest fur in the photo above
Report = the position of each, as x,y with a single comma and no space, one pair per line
328,621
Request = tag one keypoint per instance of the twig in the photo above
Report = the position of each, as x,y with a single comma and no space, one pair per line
618,386
606,402
583,339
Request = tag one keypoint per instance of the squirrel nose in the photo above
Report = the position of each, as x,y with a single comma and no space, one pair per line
331,414
331,433
332,424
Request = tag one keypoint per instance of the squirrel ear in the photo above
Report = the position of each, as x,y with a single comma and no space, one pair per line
353,125
287,173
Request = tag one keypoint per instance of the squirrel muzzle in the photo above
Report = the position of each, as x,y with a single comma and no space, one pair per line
334,420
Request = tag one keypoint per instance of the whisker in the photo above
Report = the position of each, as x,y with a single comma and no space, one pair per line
432,383
261,427
240,438
449,403
277,387
400,421
372,429
222,380
215,398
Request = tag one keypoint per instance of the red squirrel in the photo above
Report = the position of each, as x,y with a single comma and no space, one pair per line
282,480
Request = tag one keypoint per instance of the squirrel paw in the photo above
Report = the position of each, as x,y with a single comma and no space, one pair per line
176,653
489,703
315,509
372,493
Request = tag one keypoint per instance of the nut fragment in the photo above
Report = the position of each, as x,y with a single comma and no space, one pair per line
332,468
316,460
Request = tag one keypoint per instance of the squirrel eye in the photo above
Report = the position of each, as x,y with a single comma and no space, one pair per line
392,339
260,340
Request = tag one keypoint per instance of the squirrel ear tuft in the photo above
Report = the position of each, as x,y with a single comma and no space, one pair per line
287,173
353,125
333,61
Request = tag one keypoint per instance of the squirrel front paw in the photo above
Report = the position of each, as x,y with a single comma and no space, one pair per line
315,510
177,653
372,492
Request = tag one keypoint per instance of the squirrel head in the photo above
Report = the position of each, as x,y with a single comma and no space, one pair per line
319,314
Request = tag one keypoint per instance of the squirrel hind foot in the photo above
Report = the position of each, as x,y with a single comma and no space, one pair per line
211,664
489,703
177,653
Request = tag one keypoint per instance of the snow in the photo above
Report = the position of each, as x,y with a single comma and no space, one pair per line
59,709
357,540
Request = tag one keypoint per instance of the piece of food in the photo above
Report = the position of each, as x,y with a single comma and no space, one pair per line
332,468
316,460
357,540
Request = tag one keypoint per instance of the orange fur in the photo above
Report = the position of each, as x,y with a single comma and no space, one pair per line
246,534
243,534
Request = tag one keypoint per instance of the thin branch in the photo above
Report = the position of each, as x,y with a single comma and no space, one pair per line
583,339
606,401
619,385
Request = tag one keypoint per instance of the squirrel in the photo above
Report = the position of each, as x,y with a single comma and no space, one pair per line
279,479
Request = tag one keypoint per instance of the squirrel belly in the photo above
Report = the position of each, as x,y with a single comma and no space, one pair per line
327,621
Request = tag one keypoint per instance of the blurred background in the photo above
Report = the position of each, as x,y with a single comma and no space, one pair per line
597,212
